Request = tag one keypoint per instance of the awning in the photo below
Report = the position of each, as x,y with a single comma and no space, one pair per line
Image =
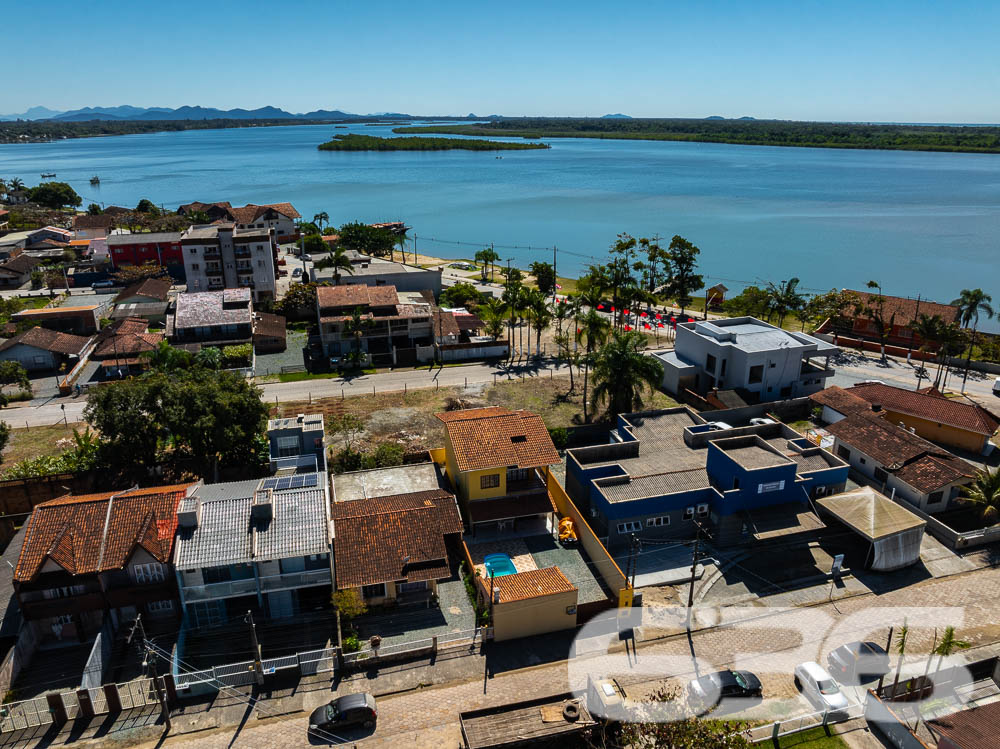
506,508
870,513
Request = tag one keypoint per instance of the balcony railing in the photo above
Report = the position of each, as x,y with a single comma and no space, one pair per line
241,251
530,485
213,271
229,589
212,254
295,580
248,587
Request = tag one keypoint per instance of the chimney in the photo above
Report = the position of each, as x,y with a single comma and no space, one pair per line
263,505
189,512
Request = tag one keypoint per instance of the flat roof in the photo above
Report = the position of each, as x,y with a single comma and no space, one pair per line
386,482
754,456
44,311
752,335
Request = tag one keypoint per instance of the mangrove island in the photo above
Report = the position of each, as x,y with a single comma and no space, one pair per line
353,142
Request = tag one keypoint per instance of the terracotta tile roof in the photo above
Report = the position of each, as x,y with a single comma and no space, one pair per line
20,265
906,310
90,533
269,326
86,221
356,295
372,537
127,337
249,213
155,288
931,406
930,472
492,437
973,728
468,321
197,205
48,340
531,584
840,400
919,463
445,323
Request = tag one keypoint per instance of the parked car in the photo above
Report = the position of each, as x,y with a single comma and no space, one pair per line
307,258
858,662
996,386
718,425
345,712
820,689
872,382
760,421
709,690
102,284
297,272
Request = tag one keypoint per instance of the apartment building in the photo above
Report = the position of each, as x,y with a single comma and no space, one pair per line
224,256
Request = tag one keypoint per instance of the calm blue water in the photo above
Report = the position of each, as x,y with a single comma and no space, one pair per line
925,223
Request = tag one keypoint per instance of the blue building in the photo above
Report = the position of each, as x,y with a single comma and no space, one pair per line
664,470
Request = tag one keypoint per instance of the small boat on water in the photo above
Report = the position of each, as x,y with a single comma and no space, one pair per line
95,180
50,174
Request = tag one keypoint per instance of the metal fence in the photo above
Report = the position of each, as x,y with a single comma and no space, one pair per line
318,661
799,723
467,638
17,716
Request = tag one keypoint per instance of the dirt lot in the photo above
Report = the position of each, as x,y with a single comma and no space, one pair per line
409,418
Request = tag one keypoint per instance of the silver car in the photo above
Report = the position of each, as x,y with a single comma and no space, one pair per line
821,690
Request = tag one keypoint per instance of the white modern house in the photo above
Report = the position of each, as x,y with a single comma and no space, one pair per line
755,358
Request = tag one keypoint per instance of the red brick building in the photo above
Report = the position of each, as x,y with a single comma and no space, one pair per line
161,248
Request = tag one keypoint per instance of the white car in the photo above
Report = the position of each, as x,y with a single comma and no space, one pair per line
716,426
821,690
760,421
297,272
996,386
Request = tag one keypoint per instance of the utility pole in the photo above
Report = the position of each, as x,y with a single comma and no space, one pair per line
157,685
916,316
414,248
694,567
510,301
636,546
555,275
258,667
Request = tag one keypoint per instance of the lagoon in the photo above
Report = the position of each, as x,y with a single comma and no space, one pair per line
921,223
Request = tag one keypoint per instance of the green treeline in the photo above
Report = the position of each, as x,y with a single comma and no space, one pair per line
35,131
374,143
742,132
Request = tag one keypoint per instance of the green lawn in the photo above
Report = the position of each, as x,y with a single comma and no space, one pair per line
298,376
814,738
35,302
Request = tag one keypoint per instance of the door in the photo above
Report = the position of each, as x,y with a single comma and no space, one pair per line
281,605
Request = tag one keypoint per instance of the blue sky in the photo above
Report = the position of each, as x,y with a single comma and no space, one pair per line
891,60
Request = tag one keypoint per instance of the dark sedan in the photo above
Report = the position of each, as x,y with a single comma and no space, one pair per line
345,712
858,663
709,690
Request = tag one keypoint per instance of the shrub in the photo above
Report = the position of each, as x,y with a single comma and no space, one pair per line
236,356
349,603
351,643
559,437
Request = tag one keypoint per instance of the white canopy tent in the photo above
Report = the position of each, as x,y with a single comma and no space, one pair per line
893,532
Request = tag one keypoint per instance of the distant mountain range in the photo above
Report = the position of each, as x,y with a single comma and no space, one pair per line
127,113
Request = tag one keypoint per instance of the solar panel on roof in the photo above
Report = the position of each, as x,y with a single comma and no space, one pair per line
309,480
269,484
296,482
284,483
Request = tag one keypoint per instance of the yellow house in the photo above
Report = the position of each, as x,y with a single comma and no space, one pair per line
930,415
492,457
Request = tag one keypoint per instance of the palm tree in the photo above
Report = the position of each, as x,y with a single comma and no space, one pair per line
952,343
15,184
338,262
482,258
949,644
209,357
593,329
541,318
490,257
985,492
165,357
904,632
321,218
784,298
622,372
493,315
970,304
929,329
356,326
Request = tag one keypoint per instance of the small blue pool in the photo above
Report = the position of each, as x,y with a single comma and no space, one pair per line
498,565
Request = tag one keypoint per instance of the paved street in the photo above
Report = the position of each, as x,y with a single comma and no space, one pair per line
429,717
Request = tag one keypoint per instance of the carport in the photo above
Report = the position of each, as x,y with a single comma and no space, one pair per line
893,533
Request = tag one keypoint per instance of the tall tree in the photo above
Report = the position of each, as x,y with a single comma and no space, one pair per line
622,373
321,218
984,492
368,240
592,329
784,298
541,318
930,330
492,313
682,280
484,264
355,327
55,195
948,645
972,303
491,257
874,307
338,262
545,277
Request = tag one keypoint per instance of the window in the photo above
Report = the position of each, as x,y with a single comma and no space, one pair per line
287,446
63,619
689,513
710,363
756,374
863,461
160,607
722,372
632,526
881,475
843,452
935,497
736,482
195,266
145,574
373,591
703,510
770,365
193,250
517,474
490,481
771,486
657,522
412,587
39,359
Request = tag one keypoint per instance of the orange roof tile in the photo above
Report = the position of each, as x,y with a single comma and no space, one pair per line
493,437
531,584
931,406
